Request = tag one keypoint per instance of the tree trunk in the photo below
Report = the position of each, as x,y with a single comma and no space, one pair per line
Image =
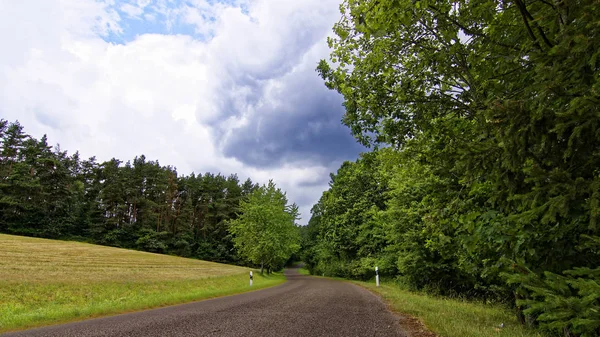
158,221
135,211
520,314
262,267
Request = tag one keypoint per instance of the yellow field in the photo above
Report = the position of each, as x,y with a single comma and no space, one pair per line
48,281
24,259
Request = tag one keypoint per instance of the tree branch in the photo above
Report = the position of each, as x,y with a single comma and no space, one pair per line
526,16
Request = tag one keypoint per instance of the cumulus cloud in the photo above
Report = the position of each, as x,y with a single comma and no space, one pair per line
203,85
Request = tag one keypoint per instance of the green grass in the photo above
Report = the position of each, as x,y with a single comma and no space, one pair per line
451,317
303,271
46,282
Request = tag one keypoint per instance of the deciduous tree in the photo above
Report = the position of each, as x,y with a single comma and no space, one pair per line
265,232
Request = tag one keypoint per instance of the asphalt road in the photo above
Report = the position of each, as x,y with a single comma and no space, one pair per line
303,306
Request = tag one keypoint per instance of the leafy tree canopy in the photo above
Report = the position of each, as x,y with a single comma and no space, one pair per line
492,110
265,231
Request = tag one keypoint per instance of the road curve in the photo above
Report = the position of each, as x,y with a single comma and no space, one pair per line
303,306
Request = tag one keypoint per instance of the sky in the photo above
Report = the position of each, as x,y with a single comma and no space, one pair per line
202,85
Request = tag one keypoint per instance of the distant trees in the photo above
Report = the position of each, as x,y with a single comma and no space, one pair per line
490,184
265,231
138,204
344,229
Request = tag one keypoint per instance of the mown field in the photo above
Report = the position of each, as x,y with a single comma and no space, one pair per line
47,281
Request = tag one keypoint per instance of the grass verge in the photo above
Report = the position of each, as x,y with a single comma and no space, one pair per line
45,282
303,271
452,317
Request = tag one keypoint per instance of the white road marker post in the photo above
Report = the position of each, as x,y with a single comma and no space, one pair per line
377,275
251,278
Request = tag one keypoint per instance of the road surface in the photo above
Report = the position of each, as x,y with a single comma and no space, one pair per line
303,306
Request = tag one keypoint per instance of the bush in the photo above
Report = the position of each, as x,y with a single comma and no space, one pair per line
567,304
152,241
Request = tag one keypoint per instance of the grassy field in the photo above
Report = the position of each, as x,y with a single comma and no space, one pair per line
46,281
450,317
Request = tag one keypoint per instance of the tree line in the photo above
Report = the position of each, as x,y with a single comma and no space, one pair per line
139,204
484,181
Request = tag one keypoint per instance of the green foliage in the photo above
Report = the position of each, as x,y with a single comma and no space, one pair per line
265,232
137,204
568,304
490,114
345,224
152,241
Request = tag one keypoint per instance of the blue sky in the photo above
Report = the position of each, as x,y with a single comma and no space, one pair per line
161,17
202,85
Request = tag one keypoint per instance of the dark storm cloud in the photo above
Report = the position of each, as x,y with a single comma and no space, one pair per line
307,201
302,124
243,85
271,85
319,181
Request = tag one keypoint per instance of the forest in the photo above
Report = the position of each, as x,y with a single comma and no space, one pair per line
484,178
482,181
139,204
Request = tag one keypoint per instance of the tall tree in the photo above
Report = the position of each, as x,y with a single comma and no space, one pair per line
18,183
134,204
265,232
497,104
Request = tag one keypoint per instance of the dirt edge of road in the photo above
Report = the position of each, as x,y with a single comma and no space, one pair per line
411,325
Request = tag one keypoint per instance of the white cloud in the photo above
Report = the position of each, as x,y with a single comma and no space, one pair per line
132,10
170,97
